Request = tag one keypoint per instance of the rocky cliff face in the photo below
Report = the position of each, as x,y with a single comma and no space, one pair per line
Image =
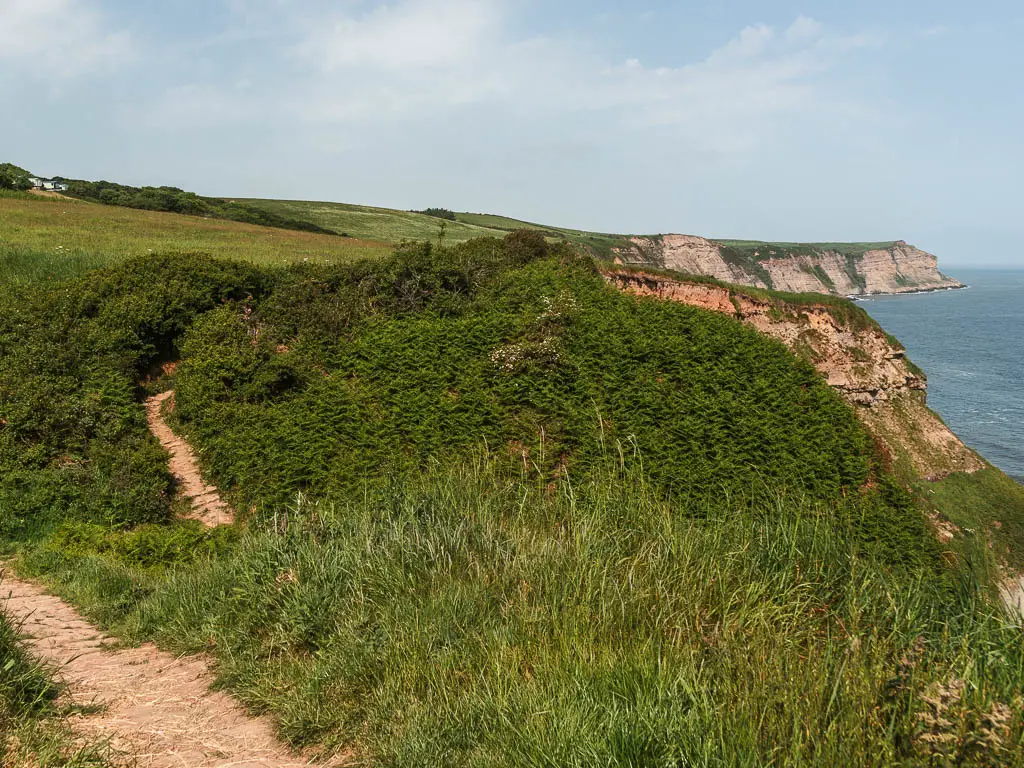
888,268
858,359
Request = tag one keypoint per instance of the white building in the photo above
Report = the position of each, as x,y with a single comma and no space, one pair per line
47,184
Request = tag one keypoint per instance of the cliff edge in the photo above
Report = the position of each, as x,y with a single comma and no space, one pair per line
843,269
857,358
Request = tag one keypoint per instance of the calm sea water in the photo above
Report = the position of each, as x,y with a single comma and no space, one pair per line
971,345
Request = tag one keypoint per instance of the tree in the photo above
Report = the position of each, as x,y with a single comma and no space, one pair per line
13,177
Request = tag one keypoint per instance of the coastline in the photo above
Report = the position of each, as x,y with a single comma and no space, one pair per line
912,292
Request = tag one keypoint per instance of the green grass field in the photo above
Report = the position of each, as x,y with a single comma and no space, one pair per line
846,249
394,226
383,224
46,237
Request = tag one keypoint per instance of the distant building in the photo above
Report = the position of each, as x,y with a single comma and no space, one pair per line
48,185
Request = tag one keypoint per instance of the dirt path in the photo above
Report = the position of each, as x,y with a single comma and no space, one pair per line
1012,593
154,707
207,506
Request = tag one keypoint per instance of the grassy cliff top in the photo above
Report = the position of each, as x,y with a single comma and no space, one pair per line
51,237
391,225
496,513
764,249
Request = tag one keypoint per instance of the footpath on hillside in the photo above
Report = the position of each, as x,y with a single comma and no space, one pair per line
207,505
156,709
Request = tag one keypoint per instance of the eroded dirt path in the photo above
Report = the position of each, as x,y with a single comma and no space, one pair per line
207,505
155,708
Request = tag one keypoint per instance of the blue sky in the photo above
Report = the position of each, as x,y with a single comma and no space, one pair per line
772,119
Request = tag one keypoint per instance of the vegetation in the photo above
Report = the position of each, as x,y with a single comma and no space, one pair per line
33,721
381,224
174,200
495,513
465,619
438,213
764,250
987,504
14,178
55,238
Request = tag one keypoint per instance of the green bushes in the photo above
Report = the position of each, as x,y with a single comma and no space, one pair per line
174,200
73,437
342,375
14,178
438,213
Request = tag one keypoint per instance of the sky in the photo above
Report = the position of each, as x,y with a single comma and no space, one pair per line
760,119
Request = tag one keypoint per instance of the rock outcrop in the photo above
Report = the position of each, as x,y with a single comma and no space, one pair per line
854,355
885,268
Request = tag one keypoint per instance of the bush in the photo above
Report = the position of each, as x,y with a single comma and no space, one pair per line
438,213
525,245
176,200
13,177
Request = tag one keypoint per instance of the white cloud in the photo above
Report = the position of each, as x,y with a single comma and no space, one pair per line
410,34
804,28
59,38
750,43
415,60
417,56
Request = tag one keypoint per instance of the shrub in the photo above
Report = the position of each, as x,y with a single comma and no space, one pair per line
13,177
525,245
438,213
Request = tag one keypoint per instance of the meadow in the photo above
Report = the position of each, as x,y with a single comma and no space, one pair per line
54,238
363,221
497,514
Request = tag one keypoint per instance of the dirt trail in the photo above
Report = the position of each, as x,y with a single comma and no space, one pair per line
1012,593
207,506
154,707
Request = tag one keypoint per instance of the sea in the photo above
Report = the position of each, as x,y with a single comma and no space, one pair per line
970,343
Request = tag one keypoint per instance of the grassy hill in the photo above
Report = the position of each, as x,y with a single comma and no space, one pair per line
366,223
496,513
44,237
393,226
383,224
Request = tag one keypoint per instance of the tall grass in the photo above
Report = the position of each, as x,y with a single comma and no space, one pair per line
60,228
24,266
466,618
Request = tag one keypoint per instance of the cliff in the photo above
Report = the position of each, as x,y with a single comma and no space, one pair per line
845,269
865,365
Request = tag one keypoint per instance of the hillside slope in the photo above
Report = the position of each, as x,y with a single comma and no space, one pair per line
382,224
42,238
496,511
853,354
844,269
